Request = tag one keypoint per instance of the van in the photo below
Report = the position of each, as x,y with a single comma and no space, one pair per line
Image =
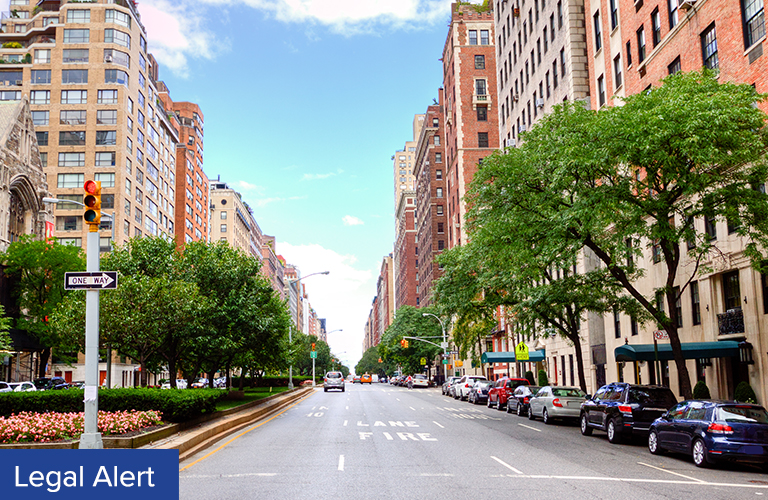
375,379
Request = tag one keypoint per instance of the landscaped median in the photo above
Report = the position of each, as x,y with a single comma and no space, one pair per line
128,418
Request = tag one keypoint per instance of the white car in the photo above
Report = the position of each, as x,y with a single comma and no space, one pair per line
4,387
464,385
22,386
180,384
419,380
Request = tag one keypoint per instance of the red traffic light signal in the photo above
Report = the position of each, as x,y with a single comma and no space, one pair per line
92,202
313,346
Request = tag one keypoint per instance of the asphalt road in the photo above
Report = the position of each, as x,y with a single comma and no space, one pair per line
384,442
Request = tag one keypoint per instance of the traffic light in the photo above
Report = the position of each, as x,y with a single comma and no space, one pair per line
402,343
313,346
92,202
406,344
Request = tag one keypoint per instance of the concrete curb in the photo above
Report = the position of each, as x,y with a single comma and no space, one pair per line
188,435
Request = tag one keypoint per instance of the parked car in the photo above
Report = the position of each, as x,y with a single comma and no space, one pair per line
448,383
366,379
622,409
551,403
419,380
5,387
220,383
713,431
200,383
53,383
479,392
180,384
465,383
356,380
502,389
22,386
333,380
521,398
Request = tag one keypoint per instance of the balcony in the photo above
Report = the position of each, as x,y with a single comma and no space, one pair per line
481,99
730,322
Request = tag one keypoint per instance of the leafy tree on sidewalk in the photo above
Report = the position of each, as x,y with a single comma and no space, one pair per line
5,325
409,322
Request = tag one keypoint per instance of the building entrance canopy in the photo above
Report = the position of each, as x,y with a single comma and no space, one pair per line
691,350
509,357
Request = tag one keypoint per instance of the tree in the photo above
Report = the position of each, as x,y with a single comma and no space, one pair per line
369,363
605,182
39,268
5,325
409,322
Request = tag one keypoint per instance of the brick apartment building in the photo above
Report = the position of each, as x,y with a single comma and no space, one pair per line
406,254
470,97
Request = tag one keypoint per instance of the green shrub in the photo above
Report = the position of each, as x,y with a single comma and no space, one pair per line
529,376
543,380
175,405
12,45
701,391
272,381
744,393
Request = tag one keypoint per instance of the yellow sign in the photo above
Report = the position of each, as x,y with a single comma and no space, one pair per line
521,352
459,363
423,361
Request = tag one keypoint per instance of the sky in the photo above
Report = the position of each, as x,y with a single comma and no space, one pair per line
305,102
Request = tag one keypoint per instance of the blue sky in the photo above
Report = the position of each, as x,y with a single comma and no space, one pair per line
305,101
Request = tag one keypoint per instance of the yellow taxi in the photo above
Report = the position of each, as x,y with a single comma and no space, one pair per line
366,379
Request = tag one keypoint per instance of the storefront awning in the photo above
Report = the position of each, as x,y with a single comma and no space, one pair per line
691,350
509,357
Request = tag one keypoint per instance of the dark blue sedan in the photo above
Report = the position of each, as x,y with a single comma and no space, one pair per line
713,431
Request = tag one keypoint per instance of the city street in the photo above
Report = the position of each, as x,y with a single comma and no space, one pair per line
382,442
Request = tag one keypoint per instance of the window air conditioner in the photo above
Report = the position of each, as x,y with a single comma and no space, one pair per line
19,82
521,128
511,143
108,59
687,4
539,102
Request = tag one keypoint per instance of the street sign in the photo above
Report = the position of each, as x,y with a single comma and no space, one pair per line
101,280
313,354
443,345
423,361
661,335
521,352
445,361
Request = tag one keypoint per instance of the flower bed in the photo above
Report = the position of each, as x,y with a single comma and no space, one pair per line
47,427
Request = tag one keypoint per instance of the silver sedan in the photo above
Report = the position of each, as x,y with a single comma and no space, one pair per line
553,402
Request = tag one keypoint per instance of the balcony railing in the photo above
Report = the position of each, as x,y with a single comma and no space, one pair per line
731,321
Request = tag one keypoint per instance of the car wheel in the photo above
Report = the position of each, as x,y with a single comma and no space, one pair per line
325,389
530,414
519,410
500,407
489,402
586,430
653,443
614,434
545,417
342,389
508,408
700,453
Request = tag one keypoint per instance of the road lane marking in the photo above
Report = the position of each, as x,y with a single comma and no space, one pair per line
438,424
507,465
341,462
642,480
412,408
426,474
345,423
670,472
529,427
217,476
245,432
388,436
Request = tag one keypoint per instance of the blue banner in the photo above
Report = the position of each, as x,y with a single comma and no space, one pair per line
113,474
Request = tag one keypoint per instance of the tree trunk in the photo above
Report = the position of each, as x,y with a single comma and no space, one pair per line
45,355
172,372
143,367
576,339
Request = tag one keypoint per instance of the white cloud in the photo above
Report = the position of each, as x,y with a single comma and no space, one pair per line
262,202
343,297
246,186
315,177
178,28
350,220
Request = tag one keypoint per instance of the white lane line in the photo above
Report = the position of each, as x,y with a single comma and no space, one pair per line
412,408
670,472
398,399
341,462
529,427
208,476
642,480
507,465
347,408
345,423
425,474
438,424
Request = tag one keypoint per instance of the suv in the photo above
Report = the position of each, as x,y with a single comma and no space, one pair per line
622,409
53,383
502,389
333,380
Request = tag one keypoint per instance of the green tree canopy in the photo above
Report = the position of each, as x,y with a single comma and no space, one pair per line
410,322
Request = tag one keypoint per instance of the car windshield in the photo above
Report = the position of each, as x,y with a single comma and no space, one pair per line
568,393
663,398
334,375
743,414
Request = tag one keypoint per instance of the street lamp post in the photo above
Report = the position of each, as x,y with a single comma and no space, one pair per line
111,243
444,345
290,340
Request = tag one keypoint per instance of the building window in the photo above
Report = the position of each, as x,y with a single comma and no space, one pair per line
71,159
440,244
633,326
42,56
678,306
76,36
641,44
106,117
473,37
601,91
437,140
106,159
118,37
439,210
629,54
598,33
482,113
116,76
78,16
74,96
674,66
438,175
616,323
614,15
107,97
673,13
438,157
438,192
440,228
554,74
754,21
731,290
709,47
562,62
479,62
656,26
482,139
72,138
39,117
117,17
617,70
42,138
75,56
72,117
559,14
480,87
40,97
106,138
70,180
484,37
710,228
41,76
74,76
223,228
695,303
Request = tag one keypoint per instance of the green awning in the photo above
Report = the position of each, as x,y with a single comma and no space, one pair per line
509,357
691,350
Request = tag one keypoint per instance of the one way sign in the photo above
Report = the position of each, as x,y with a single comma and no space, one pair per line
102,280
